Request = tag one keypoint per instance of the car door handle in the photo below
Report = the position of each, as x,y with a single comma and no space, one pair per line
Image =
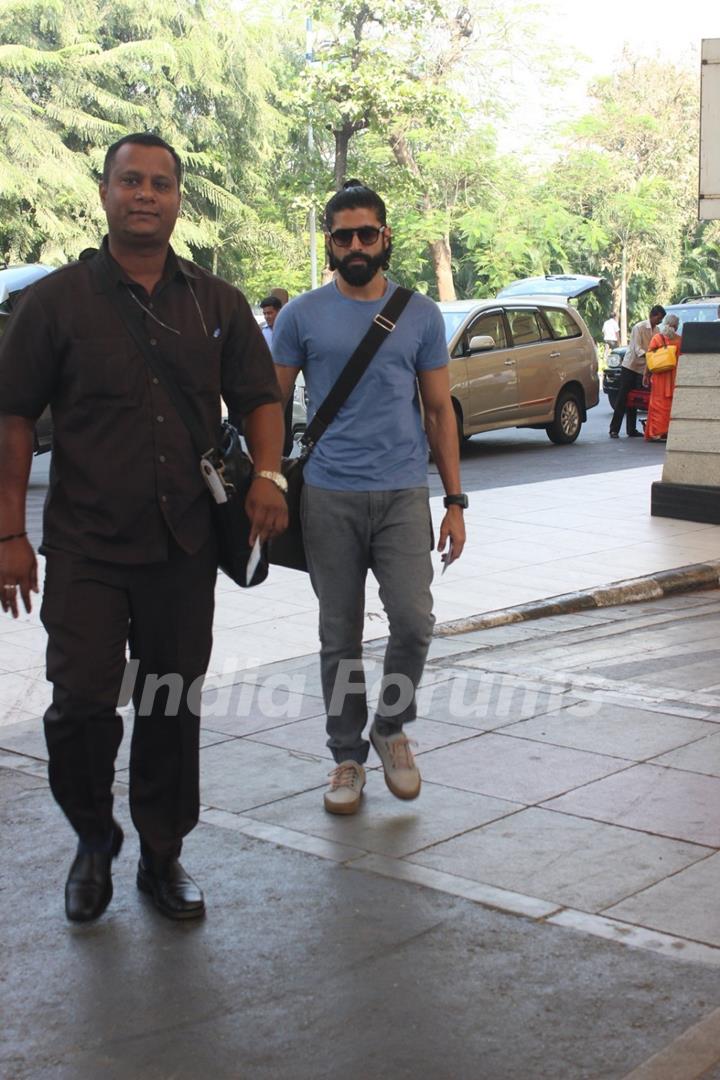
509,363
554,355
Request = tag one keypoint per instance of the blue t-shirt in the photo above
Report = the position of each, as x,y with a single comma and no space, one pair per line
376,442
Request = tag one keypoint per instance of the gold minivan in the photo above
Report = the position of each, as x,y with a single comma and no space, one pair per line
523,359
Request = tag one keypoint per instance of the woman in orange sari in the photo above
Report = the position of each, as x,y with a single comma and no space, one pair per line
662,383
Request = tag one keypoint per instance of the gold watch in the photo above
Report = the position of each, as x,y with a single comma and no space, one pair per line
276,478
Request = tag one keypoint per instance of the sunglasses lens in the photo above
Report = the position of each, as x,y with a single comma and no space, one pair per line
366,234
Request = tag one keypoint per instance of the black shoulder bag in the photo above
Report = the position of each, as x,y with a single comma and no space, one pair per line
228,470
288,548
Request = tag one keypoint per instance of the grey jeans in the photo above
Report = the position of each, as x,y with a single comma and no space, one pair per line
346,534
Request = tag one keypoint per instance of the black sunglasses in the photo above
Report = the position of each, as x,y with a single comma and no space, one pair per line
366,234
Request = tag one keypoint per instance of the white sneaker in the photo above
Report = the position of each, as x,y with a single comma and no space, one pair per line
347,781
402,775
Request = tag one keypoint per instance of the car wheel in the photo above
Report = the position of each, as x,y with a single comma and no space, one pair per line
612,398
565,428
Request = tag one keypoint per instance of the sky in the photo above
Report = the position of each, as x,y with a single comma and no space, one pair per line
672,28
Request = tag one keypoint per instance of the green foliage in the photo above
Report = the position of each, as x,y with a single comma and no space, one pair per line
75,79
406,94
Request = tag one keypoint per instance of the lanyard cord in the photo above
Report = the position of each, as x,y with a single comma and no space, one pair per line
165,326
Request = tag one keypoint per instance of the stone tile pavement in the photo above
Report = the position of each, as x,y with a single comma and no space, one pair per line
568,774
564,855
525,543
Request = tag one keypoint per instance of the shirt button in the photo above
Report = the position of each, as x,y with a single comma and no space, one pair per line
156,381
164,498
162,458
159,419
153,341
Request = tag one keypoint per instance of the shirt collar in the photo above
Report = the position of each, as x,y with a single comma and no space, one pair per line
103,264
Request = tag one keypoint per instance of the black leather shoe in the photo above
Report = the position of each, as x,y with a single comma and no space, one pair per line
635,435
88,889
614,435
174,892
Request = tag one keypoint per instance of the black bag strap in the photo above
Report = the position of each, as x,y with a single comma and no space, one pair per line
382,325
119,294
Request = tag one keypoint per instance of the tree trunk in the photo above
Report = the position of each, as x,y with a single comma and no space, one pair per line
440,252
617,302
623,298
442,264
342,139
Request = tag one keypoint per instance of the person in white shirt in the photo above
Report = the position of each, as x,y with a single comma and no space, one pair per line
270,307
611,331
632,371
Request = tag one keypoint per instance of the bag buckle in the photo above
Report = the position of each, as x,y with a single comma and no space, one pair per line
384,323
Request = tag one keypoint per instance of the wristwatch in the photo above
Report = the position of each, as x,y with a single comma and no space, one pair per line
276,478
456,500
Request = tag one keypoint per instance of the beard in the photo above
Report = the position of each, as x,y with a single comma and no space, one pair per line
359,269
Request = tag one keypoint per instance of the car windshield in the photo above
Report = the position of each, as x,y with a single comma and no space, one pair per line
694,312
452,320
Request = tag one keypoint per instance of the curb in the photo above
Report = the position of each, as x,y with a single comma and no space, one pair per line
652,587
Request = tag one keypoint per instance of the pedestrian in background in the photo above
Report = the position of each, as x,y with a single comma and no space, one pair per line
632,372
131,555
662,383
270,307
610,333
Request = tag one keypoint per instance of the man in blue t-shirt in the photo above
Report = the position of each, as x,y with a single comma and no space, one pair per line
365,501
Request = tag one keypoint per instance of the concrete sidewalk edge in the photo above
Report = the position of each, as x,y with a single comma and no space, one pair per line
651,587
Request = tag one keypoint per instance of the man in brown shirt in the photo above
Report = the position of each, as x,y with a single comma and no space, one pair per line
130,552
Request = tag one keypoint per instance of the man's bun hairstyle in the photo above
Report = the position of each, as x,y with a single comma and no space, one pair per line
354,195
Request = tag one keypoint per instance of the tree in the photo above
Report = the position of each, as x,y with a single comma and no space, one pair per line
630,176
75,80
391,72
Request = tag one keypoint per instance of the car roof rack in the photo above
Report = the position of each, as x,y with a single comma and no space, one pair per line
701,296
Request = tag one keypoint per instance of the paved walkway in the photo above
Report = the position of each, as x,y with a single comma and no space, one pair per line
547,908
526,543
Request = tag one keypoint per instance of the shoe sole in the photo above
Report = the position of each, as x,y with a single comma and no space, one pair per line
342,808
145,887
408,797
402,794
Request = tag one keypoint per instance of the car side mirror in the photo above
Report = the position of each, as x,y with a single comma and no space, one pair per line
481,342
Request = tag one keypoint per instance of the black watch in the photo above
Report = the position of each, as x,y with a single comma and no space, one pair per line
456,500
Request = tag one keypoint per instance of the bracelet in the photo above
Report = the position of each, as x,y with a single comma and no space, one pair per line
12,536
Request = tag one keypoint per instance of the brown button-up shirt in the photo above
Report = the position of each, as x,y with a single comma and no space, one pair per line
124,472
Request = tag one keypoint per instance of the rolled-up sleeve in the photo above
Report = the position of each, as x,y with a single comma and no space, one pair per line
29,364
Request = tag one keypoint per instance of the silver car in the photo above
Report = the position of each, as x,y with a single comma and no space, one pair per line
704,309
13,279
523,359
